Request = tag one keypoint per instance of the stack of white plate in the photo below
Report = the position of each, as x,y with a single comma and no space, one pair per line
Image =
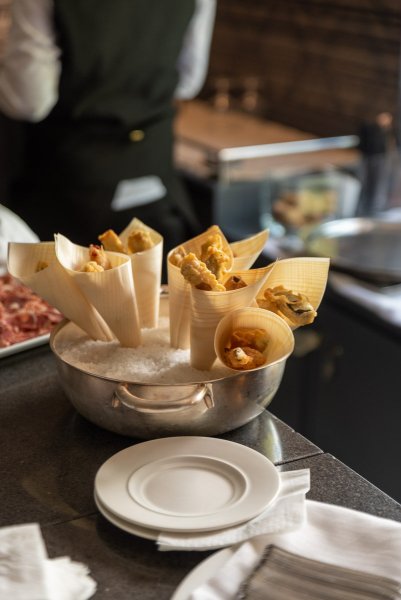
184,484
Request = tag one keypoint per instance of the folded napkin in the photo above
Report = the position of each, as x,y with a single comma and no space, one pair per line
286,513
280,575
331,534
26,572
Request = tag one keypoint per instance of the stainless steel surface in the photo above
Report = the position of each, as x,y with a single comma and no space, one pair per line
369,248
286,148
209,142
26,345
148,411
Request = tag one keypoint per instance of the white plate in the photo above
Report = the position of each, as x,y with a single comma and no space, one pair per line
143,532
202,572
26,345
187,483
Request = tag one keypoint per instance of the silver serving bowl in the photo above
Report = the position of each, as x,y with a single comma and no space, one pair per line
147,411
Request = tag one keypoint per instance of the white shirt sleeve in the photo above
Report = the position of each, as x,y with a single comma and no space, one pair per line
194,57
30,68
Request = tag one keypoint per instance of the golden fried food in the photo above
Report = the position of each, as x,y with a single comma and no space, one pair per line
41,265
234,283
217,262
214,240
214,257
91,267
139,240
99,256
244,350
295,308
245,336
197,274
244,359
177,256
112,242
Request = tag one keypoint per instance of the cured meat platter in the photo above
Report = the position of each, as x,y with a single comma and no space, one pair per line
25,319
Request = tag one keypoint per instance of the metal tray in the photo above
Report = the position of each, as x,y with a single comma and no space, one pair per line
367,248
25,345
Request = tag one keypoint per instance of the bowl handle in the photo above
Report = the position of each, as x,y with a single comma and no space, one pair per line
122,395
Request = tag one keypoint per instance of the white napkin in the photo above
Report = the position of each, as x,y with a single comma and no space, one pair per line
331,534
26,572
286,513
12,229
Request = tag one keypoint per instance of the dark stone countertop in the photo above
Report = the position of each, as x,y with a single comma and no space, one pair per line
49,456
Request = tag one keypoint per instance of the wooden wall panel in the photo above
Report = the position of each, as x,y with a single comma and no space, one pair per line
323,66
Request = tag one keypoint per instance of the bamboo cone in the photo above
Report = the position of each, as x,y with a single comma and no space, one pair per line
54,285
280,337
245,252
180,290
208,308
179,307
305,275
111,292
147,273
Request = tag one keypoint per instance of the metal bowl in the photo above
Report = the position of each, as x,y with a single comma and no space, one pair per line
367,248
147,411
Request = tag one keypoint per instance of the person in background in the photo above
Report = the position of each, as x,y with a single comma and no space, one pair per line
94,85
379,166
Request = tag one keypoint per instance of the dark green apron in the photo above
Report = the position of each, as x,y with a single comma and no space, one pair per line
113,121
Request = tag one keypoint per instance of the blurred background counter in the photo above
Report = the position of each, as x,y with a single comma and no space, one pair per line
221,152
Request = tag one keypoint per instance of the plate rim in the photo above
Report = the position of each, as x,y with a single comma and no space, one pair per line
33,342
261,473
146,533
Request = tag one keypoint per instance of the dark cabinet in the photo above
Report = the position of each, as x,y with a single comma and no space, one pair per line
345,393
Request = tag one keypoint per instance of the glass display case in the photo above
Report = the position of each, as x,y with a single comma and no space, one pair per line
286,187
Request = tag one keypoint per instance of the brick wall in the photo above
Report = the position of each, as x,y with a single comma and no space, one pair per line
323,65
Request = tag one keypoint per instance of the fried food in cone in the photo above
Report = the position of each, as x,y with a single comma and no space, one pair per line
112,242
198,274
110,291
140,240
251,338
214,256
91,267
295,308
303,281
36,265
177,256
145,247
208,308
212,238
234,283
244,358
180,289
245,347
99,256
